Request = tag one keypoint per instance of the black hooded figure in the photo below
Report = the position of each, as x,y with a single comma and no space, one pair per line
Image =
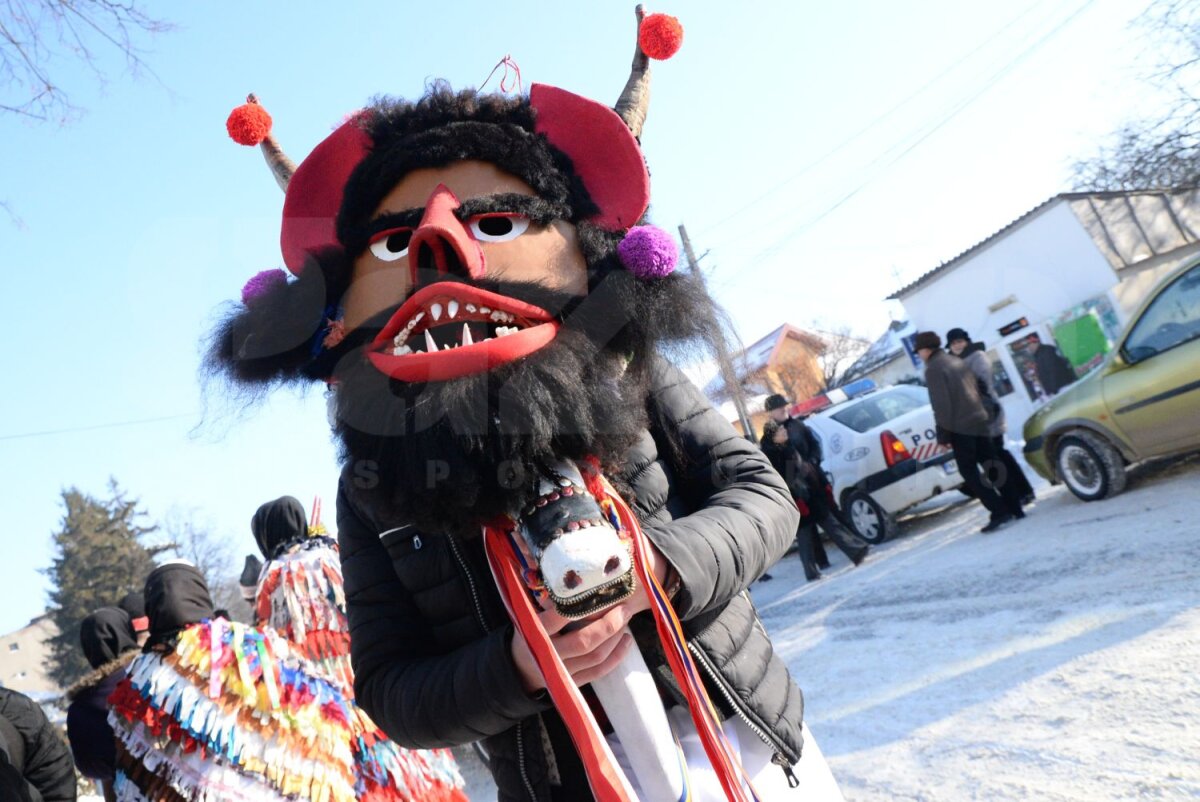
277,524
176,597
109,643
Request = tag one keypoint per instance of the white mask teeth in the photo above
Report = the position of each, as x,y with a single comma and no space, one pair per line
483,310
504,331
402,350
435,310
452,309
472,308
466,335
430,343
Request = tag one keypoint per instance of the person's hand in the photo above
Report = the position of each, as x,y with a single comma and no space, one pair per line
590,650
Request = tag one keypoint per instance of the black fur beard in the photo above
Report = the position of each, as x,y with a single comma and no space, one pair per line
449,456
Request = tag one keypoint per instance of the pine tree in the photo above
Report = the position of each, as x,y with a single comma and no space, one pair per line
100,556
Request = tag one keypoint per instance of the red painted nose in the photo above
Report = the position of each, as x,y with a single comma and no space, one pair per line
441,241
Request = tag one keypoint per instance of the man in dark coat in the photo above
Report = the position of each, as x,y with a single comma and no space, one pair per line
1054,372
819,507
486,309
958,342
962,423
110,644
34,761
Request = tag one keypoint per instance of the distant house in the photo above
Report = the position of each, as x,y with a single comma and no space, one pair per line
1069,271
887,360
25,656
785,361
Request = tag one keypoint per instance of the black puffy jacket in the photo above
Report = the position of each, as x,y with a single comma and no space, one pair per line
430,638
34,748
93,743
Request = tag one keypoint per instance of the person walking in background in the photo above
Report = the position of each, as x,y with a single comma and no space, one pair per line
110,645
821,504
35,764
786,460
1054,372
959,343
962,423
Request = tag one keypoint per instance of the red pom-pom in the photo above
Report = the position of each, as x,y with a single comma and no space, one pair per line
660,36
248,124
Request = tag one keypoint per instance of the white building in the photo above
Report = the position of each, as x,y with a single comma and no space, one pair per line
1069,272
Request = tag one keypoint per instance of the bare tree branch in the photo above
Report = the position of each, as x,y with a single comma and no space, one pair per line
1161,153
37,37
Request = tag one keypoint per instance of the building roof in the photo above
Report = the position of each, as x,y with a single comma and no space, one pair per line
1128,227
882,351
762,354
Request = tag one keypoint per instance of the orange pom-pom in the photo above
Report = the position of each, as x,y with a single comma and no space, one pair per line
660,36
248,124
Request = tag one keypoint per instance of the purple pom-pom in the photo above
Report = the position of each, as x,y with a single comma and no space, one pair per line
648,252
262,283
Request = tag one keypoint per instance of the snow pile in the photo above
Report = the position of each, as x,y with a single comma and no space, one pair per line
1053,660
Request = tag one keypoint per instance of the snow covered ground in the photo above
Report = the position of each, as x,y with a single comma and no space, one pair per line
1056,659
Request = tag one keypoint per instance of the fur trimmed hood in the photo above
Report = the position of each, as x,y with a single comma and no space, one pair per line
97,675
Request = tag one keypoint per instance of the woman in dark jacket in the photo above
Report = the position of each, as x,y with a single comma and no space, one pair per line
783,455
110,644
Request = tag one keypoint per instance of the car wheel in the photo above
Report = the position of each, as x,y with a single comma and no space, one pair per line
1089,465
869,521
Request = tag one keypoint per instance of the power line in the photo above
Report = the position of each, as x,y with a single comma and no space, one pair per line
772,248
876,121
95,427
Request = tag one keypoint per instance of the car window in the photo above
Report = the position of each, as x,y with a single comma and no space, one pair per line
1173,318
876,410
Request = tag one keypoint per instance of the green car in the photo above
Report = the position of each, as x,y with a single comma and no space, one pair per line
1142,401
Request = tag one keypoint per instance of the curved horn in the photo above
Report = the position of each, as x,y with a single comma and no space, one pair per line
635,98
281,166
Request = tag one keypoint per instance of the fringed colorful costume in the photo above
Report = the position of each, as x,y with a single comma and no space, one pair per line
300,597
217,710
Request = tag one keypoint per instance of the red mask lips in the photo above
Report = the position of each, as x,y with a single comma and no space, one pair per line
449,330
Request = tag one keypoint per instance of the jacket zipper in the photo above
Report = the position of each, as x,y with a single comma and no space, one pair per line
466,572
779,758
521,764
462,564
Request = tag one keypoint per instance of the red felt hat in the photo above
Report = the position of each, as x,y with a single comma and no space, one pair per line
603,151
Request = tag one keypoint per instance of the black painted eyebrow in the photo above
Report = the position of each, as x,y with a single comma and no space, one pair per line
538,210
409,218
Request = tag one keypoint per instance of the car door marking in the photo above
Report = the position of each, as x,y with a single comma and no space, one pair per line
1154,399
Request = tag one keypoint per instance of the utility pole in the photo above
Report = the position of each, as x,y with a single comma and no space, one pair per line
724,361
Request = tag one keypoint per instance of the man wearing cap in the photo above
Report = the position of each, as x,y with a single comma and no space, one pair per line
958,342
962,423
820,509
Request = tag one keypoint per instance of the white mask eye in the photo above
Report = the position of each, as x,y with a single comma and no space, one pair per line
390,245
498,227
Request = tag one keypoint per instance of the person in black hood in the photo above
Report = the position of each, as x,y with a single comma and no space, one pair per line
109,643
176,597
134,605
278,523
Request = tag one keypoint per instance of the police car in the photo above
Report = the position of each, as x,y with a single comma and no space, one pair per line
880,451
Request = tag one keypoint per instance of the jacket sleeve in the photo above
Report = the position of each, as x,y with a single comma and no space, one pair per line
940,401
744,518
421,698
47,765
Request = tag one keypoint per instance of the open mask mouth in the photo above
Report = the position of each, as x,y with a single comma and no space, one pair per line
449,330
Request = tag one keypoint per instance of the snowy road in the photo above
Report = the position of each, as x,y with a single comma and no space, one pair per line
1056,659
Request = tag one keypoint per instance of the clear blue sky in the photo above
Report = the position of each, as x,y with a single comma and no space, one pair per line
140,219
